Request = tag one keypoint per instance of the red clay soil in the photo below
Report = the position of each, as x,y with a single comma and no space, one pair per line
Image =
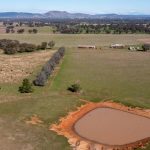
66,127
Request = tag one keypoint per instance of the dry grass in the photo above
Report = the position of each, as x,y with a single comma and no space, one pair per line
145,40
2,30
16,67
73,40
43,30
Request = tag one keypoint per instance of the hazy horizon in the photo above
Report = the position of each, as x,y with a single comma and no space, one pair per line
131,13
78,6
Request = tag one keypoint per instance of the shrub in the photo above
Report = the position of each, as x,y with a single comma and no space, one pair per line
35,31
22,48
41,79
146,47
11,47
12,31
51,44
74,88
26,87
4,43
10,51
30,31
30,47
38,47
61,51
25,47
48,68
14,46
52,63
20,31
7,30
43,45
57,57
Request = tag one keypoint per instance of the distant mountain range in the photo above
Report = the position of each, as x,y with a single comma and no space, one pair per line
67,15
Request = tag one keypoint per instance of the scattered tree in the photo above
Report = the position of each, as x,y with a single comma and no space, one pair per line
43,45
26,87
74,88
7,30
51,44
146,47
11,47
20,31
14,46
30,31
35,31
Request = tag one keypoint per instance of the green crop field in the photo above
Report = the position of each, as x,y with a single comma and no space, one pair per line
104,74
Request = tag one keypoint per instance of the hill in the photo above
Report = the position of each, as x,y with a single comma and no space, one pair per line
67,15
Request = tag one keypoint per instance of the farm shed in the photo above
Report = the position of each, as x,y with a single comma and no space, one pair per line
117,46
87,46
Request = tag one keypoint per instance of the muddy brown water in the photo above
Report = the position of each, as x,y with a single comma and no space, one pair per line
112,127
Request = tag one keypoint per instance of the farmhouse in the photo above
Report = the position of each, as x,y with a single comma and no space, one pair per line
87,46
117,46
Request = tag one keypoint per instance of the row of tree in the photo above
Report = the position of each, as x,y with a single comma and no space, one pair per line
20,31
13,46
106,28
48,68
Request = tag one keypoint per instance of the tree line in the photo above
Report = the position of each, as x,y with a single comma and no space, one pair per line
48,68
42,77
86,26
13,46
10,29
103,28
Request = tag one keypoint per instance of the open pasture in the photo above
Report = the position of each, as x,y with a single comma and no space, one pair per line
105,74
41,30
73,40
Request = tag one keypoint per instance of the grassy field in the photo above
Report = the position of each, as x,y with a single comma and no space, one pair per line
104,74
108,74
41,30
81,39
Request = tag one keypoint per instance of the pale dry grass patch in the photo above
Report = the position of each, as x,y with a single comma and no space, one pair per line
16,67
144,40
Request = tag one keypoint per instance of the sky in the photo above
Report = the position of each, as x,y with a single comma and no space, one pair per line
83,6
